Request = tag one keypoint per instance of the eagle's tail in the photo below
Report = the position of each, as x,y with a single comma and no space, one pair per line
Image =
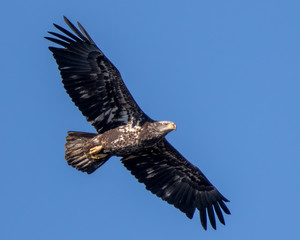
77,149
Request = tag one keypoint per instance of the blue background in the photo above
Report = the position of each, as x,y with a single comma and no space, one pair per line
226,72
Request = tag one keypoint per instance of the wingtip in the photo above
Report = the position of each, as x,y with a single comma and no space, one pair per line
66,19
203,218
224,198
213,224
52,49
55,25
48,38
189,215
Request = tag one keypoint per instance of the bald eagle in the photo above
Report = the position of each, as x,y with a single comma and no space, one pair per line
124,130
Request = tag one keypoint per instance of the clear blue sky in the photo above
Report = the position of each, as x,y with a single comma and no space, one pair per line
226,72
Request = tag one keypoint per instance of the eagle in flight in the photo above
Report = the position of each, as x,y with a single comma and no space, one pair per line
124,130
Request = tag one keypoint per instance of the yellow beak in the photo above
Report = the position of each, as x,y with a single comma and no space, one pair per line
172,126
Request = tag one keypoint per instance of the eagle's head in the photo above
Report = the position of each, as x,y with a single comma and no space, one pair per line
157,130
165,126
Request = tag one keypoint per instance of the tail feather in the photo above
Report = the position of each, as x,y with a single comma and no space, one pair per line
77,148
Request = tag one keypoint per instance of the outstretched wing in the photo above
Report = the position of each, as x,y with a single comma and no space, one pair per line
166,173
92,81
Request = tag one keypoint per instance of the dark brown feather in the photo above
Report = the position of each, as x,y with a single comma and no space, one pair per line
102,97
166,173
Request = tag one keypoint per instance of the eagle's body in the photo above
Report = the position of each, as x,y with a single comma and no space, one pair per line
124,130
122,140
131,138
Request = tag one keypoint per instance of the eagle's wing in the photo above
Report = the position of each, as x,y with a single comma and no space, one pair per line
166,173
92,81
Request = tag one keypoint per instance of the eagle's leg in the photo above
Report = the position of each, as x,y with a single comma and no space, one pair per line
95,150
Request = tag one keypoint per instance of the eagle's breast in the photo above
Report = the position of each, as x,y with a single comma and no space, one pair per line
122,140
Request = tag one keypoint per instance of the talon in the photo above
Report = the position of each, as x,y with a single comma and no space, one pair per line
95,149
99,156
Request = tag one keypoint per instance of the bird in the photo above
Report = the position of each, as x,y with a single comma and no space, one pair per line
123,130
